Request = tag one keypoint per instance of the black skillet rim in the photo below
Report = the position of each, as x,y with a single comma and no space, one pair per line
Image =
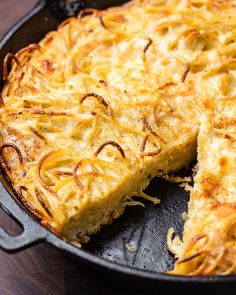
86,257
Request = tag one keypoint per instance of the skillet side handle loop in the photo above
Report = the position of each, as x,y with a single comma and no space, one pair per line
16,243
66,8
32,231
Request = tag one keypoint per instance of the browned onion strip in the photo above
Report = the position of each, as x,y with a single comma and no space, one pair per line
149,128
36,71
39,177
30,87
149,43
49,113
100,16
89,11
169,84
19,79
100,99
2,101
76,179
63,173
48,66
65,22
85,174
95,174
14,114
227,136
55,113
152,154
185,73
38,134
147,154
29,48
48,39
143,144
10,145
8,57
189,258
110,142
41,201
39,112
86,11
27,204
103,82
68,173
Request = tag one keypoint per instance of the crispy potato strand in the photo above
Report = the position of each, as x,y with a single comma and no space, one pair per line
63,173
30,207
41,201
89,11
110,142
49,113
149,43
38,134
185,73
86,11
10,145
39,177
149,128
27,49
100,16
143,146
80,185
65,22
9,57
2,104
189,258
100,99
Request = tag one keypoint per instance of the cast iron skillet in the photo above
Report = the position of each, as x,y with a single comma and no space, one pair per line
144,229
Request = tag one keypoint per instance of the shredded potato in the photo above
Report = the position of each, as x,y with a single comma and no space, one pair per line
174,244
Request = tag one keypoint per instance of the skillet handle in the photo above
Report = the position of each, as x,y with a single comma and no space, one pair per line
32,232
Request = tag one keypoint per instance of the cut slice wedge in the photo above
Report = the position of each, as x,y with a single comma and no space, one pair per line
209,242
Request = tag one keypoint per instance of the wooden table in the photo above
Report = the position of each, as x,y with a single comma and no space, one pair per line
42,269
